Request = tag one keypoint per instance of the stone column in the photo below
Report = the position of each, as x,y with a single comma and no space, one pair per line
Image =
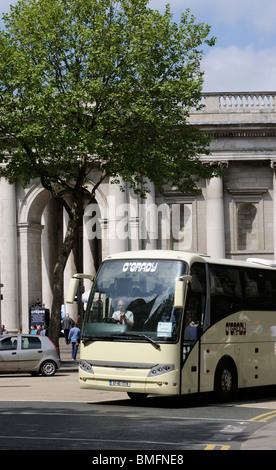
90,256
49,249
69,270
8,256
117,217
30,268
150,218
215,236
135,242
273,166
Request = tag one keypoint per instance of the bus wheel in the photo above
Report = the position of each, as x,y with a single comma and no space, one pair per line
225,380
137,397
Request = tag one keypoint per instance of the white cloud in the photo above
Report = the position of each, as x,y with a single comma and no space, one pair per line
245,29
261,15
244,58
234,69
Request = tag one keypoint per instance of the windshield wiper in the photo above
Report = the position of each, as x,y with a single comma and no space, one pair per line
86,339
150,340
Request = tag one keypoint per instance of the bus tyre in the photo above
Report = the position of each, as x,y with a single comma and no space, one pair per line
225,380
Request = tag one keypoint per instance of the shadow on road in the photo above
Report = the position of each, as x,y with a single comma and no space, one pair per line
248,396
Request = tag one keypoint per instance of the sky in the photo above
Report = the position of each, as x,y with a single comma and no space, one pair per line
244,57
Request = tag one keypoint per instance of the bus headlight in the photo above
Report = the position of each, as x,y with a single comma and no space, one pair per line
86,366
160,369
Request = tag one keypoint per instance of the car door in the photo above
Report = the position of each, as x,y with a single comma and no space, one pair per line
30,353
9,354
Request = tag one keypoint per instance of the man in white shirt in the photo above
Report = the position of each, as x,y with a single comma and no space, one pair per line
122,316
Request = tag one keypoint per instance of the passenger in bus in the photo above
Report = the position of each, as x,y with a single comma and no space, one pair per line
191,331
191,316
123,316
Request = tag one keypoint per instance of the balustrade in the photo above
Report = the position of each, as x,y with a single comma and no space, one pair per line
239,102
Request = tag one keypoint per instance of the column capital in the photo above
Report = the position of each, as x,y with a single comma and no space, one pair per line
217,164
273,164
29,227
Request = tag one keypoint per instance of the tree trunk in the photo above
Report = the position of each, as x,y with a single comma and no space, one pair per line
54,330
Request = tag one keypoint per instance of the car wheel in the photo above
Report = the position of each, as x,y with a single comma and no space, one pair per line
48,368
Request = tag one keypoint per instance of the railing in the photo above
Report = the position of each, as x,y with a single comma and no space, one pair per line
239,102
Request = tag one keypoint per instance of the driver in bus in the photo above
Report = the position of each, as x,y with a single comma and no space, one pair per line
123,316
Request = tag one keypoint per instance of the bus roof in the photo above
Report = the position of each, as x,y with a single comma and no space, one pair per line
157,254
191,258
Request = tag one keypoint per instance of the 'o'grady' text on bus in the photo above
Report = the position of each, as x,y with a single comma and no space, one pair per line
169,322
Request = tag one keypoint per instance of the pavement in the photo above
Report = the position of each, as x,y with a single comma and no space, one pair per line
65,350
60,388
263,439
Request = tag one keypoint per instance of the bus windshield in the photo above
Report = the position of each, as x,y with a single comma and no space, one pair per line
134,300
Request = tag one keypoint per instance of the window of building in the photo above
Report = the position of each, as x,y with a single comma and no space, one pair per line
247,226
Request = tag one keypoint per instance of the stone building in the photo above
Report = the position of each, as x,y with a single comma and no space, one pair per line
234,216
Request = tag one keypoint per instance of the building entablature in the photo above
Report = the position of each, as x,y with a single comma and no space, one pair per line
242,126
236,108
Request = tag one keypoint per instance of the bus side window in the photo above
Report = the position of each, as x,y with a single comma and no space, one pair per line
260,289
225,291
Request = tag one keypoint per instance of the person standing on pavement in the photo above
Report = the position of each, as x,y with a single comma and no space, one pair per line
67,324
74,338
3,330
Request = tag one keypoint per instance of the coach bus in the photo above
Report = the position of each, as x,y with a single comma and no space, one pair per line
176,323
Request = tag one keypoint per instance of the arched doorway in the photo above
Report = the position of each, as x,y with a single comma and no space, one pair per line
41,227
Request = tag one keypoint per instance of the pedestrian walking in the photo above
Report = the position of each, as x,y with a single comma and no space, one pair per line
74,338
67,324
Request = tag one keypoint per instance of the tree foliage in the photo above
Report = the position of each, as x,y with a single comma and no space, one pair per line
99,85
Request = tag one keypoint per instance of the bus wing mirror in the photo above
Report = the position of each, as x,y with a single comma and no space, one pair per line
72,290
179,290
73,286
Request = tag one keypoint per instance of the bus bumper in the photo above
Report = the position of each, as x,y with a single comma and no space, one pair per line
164,384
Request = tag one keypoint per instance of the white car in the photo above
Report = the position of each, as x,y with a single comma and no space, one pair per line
28,353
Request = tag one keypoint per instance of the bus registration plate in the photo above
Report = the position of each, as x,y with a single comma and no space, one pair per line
119,383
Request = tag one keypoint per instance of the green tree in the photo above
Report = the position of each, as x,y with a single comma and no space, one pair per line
99,86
